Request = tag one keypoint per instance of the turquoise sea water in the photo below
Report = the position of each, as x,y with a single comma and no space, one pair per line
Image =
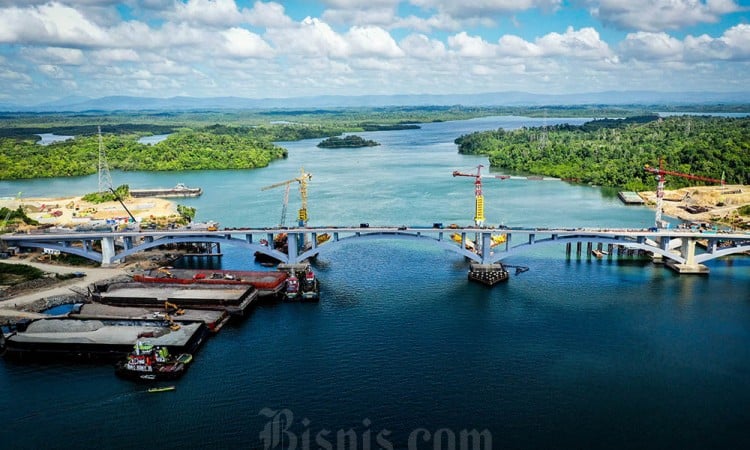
402,348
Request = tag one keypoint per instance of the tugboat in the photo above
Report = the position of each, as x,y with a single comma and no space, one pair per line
292,288
310,291
151,363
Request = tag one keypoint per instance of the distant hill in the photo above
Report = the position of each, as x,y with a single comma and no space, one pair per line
125,103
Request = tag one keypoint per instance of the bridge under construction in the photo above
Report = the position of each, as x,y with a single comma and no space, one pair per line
485,248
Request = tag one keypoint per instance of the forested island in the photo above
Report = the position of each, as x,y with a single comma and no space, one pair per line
351,141
613,152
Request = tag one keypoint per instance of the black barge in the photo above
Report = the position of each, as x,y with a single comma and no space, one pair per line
68,338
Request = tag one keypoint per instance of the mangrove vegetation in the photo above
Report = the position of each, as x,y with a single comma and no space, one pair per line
614,152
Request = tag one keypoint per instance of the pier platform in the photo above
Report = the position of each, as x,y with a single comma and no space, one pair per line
630,198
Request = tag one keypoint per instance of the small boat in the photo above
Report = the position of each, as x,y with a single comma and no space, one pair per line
597,253
152,363
162,389
292,288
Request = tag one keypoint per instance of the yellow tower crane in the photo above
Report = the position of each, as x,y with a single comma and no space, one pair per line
478,196
302,180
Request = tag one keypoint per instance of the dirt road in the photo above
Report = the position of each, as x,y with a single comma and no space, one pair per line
93,275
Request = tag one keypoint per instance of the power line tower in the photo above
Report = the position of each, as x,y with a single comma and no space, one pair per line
105,179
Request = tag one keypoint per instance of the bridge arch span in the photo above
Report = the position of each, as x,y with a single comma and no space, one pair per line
703,257
216,239
375,236
527,246
78,251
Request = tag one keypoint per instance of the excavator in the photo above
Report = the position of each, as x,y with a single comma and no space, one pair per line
177,311
170,307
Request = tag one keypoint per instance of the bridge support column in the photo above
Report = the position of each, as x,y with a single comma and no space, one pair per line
687,251
108,251
486,246
292,249
663,243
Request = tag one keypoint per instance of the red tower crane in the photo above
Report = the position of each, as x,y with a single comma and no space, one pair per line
660,172
478,197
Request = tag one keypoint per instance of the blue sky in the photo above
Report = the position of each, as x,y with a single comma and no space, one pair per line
51,49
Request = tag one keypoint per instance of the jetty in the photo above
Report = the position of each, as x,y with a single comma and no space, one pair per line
630,198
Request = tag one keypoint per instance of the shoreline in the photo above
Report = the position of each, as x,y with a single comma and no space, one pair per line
73,211
715,203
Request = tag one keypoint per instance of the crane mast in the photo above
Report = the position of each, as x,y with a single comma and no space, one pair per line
302,180
661,180
478,196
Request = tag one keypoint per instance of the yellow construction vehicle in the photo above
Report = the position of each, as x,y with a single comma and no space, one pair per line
172,324
171,307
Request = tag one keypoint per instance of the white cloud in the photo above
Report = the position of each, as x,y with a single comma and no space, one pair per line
368,16
169,67
481,8
422,47
245,44
584,43
439,21
144,84
372,41
471,46
734,44
310,37
10,75
267,15
52,71
208,12
54,55
51,23
114,55
657,15
510,45
738,39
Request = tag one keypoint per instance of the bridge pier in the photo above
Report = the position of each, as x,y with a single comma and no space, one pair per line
690,266
108,252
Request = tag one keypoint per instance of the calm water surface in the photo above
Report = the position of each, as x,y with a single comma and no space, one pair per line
572,354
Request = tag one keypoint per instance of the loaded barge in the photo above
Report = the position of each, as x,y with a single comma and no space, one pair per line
234,299
293,283
268,284
97,339
214,320
180,190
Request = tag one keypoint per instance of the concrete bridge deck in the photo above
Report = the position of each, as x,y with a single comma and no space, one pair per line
676,246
